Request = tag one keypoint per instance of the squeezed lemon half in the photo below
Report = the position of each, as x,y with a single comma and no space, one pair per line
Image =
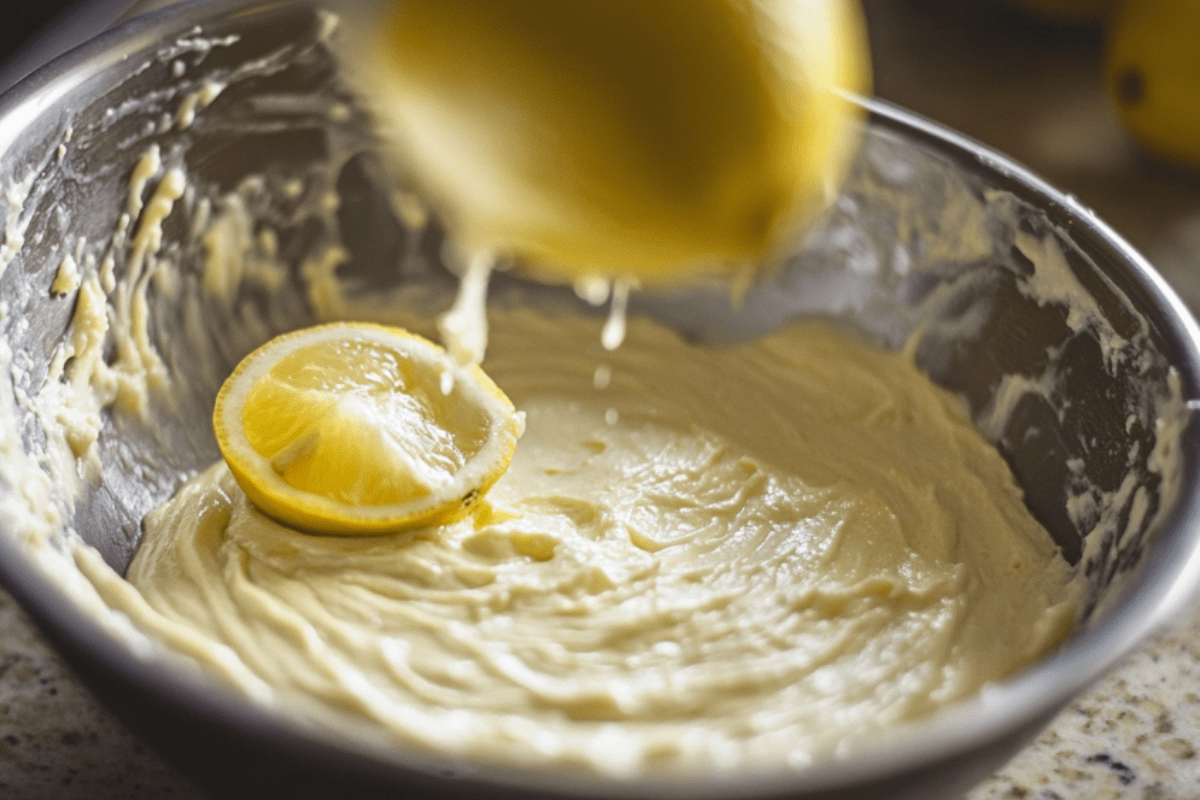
622,139
356,428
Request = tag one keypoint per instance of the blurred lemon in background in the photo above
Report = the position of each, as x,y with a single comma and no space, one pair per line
1152,68
620,138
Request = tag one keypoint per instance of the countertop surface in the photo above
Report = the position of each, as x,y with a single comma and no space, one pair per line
1032,92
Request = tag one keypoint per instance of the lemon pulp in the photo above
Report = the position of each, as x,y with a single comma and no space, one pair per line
361,428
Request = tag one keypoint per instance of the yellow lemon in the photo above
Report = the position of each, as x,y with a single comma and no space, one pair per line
644,139
1153,74
356,428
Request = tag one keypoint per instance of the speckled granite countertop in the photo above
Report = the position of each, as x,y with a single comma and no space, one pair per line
1033,94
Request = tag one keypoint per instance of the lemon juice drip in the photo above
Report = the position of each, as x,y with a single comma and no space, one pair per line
464,326
618,311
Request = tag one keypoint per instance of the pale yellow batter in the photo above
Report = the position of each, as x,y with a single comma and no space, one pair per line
700,558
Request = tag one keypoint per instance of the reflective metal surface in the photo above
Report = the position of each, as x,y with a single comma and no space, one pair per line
931,234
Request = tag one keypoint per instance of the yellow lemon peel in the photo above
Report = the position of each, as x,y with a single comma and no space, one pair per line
1152,67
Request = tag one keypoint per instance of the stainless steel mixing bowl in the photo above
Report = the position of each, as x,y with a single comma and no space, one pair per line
1074,356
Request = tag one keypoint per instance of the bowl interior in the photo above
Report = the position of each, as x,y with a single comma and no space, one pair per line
1074,358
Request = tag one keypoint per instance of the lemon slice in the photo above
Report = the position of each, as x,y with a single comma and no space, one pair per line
644,140
356,428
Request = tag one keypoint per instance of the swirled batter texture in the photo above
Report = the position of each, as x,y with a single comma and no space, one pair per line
700,558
